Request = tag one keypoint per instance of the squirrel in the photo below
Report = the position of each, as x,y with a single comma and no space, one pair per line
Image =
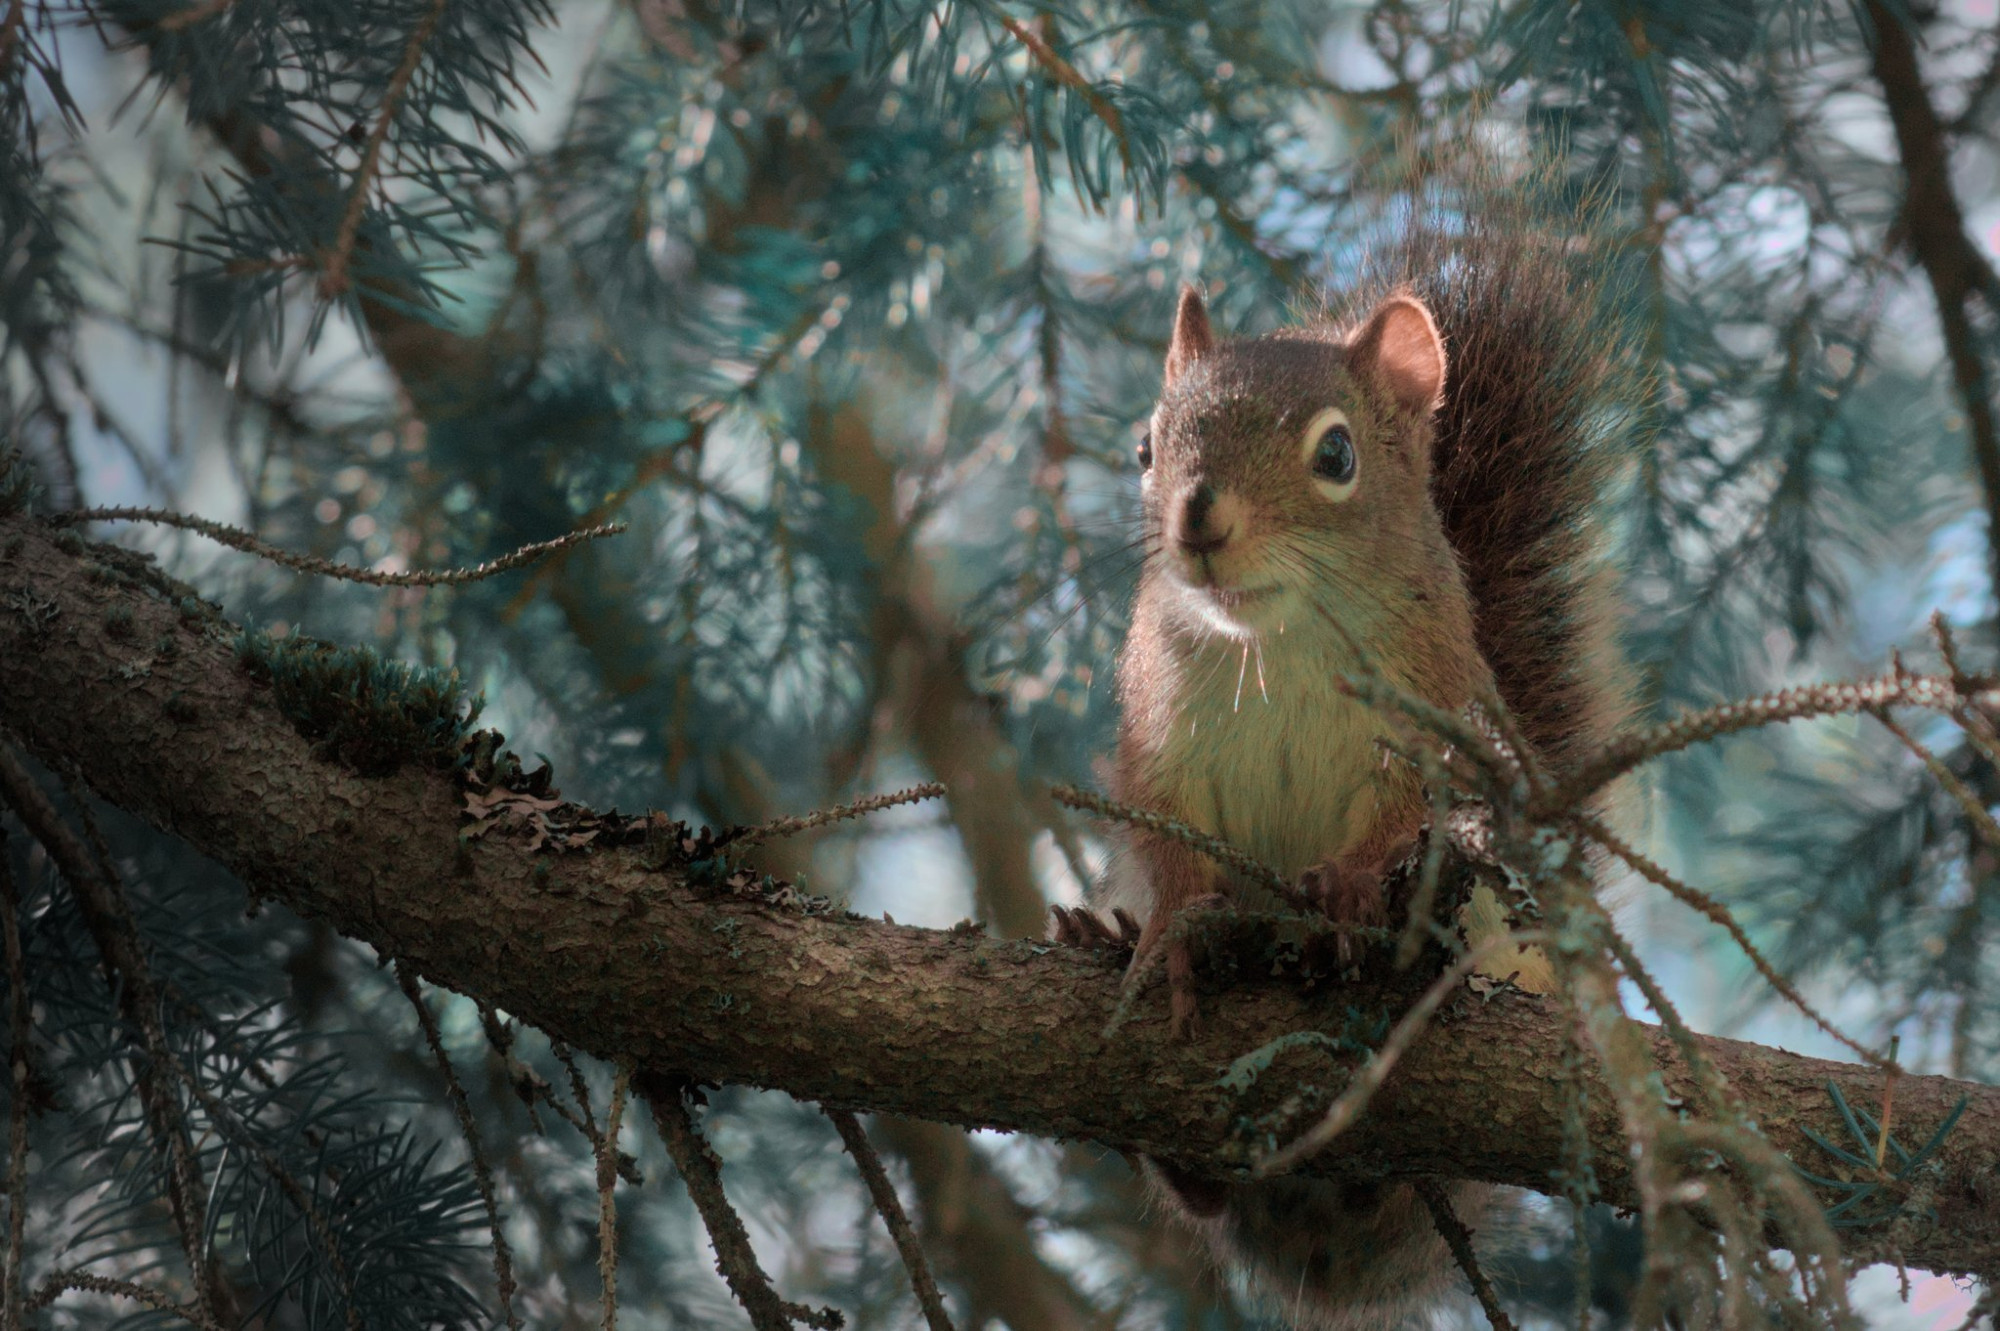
1419,491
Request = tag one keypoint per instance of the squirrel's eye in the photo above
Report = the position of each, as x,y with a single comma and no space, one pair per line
1333,460
1329,451
1146,451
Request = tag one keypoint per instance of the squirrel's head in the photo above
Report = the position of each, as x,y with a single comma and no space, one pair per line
1286,477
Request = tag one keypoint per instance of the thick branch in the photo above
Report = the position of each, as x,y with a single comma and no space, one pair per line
635,965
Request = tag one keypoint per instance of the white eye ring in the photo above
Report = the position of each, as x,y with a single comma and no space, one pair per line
1331,459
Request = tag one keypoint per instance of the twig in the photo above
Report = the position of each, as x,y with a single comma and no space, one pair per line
18,1073
1698,900
586,1122
333,278
783,827
237,538
1897,688
1981,821
1424,900
1933,229
231,1123
1888,1101
1578,1177
702,1173
1459,1239
63,1281
482,1173
1985,1307
1978,726
1063,72
1212,846
1369,1078
890,1208
1714,1086
117,939
187,18
607,1206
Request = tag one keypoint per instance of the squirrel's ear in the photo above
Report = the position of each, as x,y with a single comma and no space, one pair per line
1192,338
1401,347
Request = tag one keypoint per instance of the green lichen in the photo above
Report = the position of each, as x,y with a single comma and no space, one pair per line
1360,1033
361,709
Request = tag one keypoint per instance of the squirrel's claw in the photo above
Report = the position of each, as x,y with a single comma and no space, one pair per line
1079,926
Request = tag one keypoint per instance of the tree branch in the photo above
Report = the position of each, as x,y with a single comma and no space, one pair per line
1934,230
143,694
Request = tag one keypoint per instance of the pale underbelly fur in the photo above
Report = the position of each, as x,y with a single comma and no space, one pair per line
1289,771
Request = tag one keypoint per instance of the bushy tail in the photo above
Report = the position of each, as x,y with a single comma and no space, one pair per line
1327,1255
1546,399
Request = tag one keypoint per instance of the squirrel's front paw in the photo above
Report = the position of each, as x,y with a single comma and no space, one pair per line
1181,1004
1349,894
1079,926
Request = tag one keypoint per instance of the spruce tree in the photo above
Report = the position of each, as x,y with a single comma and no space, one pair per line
726,415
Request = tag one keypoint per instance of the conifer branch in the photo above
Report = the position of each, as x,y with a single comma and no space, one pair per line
237,538
792,826
1459,1239
1932,224
1714,910
890,1208
482,1173
1174,830
61,1282
701,1171
233,1126
333,273
1938,693
1978,726
1977,819
154,1067
1066,74
606,1151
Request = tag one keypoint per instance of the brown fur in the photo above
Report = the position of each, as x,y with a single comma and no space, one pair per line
1467,556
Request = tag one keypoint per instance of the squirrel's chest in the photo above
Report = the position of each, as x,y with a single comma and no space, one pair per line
1268,755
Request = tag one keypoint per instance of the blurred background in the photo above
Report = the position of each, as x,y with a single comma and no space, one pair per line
854,312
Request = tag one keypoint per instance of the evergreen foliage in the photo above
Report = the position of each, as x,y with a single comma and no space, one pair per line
854,311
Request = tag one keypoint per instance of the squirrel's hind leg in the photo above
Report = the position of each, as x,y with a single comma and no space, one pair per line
1171,878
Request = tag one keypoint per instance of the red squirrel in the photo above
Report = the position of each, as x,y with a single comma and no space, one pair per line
1420,490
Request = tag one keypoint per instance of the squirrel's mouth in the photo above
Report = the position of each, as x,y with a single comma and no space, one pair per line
1235,598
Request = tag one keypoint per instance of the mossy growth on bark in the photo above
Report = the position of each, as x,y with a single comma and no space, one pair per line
362,709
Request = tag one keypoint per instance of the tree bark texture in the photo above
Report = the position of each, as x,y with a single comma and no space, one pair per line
114,673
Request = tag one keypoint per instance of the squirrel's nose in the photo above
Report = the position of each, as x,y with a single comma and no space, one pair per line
1198,536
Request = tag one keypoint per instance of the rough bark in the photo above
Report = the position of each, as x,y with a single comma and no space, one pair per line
633,963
